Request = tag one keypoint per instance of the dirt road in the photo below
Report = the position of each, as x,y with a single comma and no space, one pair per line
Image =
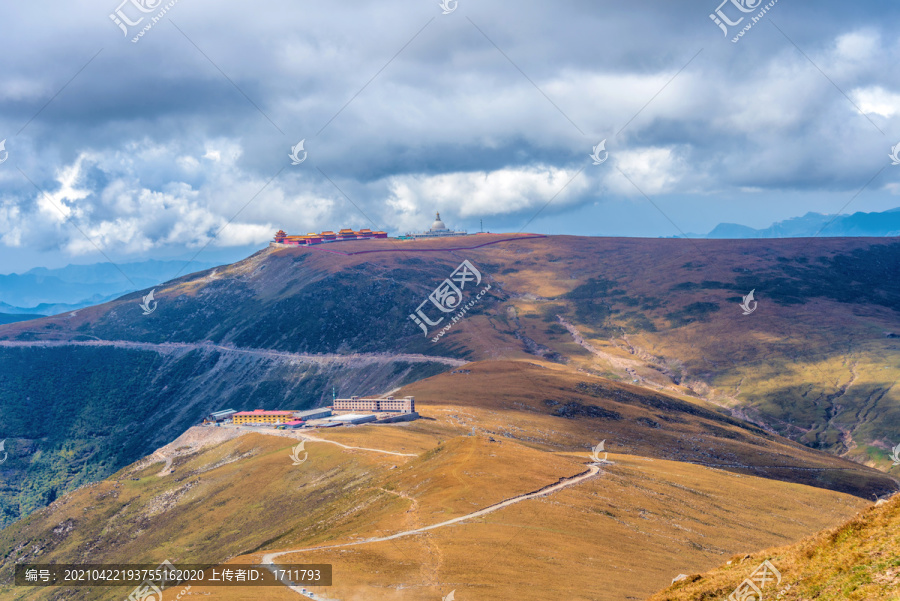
269,559
175,347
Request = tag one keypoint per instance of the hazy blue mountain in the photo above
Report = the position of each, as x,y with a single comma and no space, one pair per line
15,317
52,291
886,223
56,308
30,290
104,273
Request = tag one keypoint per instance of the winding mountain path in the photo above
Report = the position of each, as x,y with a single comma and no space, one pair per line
593,469
175,347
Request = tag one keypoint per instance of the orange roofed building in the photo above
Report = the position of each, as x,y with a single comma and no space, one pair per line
260,416
281,238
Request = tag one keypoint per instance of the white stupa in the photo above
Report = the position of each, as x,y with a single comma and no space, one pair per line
438,230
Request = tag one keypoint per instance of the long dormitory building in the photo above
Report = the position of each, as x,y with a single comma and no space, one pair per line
386,405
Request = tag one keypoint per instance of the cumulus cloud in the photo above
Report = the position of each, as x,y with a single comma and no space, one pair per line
151,147
501,192
878,101
100,201
653,170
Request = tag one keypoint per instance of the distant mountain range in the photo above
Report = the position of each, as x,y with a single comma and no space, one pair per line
15,317
886,223
42,291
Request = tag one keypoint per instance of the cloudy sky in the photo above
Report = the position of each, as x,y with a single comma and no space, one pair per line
177,141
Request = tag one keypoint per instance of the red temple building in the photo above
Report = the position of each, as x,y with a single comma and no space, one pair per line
328,236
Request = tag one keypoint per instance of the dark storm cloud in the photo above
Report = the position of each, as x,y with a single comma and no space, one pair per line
181,129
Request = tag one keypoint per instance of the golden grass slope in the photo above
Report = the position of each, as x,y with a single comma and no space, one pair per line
523,400
857,561
622,534
614,537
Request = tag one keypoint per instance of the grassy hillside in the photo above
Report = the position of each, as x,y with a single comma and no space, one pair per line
817,361
625,532
856,561
556,408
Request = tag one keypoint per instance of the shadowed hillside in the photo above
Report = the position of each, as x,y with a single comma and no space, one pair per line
75,414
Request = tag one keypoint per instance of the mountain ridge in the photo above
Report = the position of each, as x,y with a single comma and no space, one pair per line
47,291
812,363
884,223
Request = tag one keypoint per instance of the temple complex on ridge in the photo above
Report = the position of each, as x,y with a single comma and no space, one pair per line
438,230
346,234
